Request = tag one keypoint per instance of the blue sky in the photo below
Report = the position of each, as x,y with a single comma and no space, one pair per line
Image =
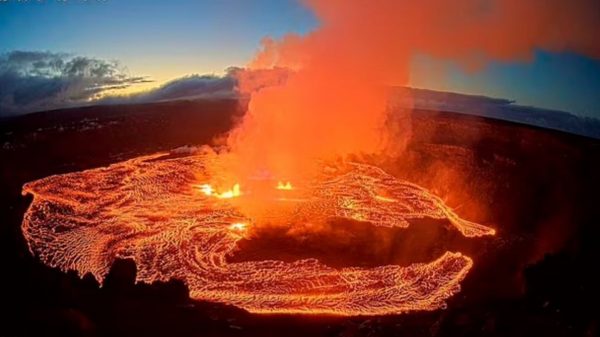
169,39
163,39
560,81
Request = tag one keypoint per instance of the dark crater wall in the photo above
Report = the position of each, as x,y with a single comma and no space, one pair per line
538,188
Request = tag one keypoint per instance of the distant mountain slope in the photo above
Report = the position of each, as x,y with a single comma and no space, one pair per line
421,99
499,109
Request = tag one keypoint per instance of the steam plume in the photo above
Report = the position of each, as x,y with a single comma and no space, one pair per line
334,102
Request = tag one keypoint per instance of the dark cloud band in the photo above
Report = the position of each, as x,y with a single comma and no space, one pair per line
32,81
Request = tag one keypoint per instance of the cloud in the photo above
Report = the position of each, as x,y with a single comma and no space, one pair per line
237,82
33,81
496,108
187,87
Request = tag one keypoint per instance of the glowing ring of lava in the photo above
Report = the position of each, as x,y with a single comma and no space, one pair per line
145,209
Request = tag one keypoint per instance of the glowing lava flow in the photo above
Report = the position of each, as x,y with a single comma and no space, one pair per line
208,190
149,209
282,186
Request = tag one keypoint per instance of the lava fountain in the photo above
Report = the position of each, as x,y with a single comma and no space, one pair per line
162,212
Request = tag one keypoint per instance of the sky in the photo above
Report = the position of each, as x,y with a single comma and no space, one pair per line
165,40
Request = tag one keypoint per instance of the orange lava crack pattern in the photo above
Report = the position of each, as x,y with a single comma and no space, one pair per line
146,209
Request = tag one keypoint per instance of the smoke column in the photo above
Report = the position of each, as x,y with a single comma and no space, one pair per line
333,101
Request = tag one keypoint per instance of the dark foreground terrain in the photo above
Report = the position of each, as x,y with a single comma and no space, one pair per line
536,277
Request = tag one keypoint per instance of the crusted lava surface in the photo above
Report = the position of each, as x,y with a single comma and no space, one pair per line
536,187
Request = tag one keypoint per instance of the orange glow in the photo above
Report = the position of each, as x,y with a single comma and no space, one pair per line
326,100
384,199
152,218
282,186
206,189
332,100
238,227
232,193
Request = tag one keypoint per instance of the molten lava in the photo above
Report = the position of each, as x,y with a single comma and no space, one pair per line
238,227
282,186
208,190
232,193
148,209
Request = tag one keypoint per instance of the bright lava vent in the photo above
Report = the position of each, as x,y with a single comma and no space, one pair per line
160,211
